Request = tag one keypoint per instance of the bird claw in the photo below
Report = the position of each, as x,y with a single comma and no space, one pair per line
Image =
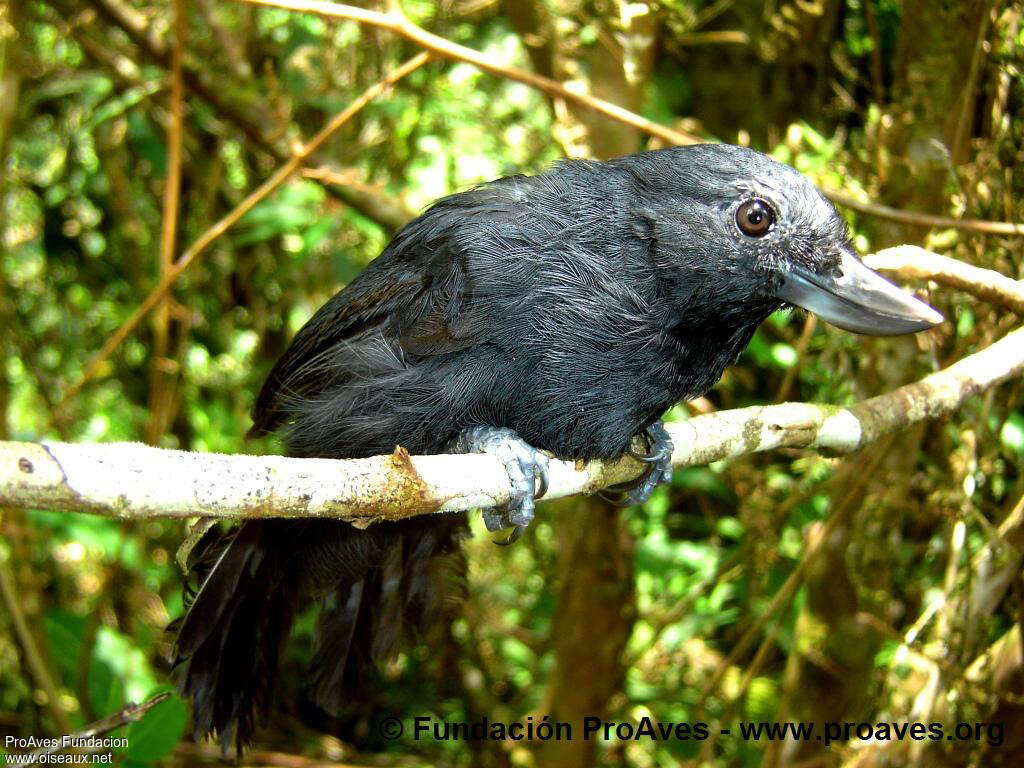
527,470
659,468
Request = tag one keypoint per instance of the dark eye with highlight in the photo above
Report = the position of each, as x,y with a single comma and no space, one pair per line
755,218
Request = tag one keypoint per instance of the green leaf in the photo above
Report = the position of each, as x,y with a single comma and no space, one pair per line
66,632
157,733
106,691
762,698
964,321
588,35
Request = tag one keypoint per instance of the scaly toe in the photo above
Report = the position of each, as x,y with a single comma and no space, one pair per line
527,470
659,468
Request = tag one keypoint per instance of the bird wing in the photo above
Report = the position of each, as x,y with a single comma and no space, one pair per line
415,296
443,319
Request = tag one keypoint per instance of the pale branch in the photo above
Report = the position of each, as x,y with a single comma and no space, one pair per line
130,480
914,218
914,262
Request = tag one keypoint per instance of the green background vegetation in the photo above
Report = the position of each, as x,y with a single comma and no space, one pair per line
597,611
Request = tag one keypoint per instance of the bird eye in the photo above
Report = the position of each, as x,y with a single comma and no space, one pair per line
755,218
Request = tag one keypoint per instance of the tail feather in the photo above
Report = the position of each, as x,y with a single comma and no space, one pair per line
389,617
229,641
221,567
434,582
377,586
333,658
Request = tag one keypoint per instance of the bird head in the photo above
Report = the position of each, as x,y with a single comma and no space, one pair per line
774,233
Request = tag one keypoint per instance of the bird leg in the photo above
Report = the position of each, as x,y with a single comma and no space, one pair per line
527,470
659,468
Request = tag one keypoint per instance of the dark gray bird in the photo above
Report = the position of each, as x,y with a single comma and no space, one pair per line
563,312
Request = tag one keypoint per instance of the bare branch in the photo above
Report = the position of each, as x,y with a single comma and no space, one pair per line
162,380
924,219
252,119
129,480
385,209
996,672
911,261
248,117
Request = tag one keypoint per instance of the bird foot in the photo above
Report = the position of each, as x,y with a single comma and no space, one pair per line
659,468
527,470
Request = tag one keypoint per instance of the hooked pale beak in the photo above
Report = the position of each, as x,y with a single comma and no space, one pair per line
858,299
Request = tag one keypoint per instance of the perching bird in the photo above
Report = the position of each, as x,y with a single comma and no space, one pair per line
563,312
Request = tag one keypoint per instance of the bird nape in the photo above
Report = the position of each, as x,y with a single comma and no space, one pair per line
563,312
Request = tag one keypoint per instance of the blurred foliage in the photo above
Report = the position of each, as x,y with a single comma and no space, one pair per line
821,84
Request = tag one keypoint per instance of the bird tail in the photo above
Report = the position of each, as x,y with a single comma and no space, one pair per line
229,640
377,587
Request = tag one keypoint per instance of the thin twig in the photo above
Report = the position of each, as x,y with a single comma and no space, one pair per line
924,219
249,119
395,22
130,713
161,382
779,600
995,675
136,25
877,84
683,607
234,50
350,178
801,348
966,101
711,37
203,241
760,657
